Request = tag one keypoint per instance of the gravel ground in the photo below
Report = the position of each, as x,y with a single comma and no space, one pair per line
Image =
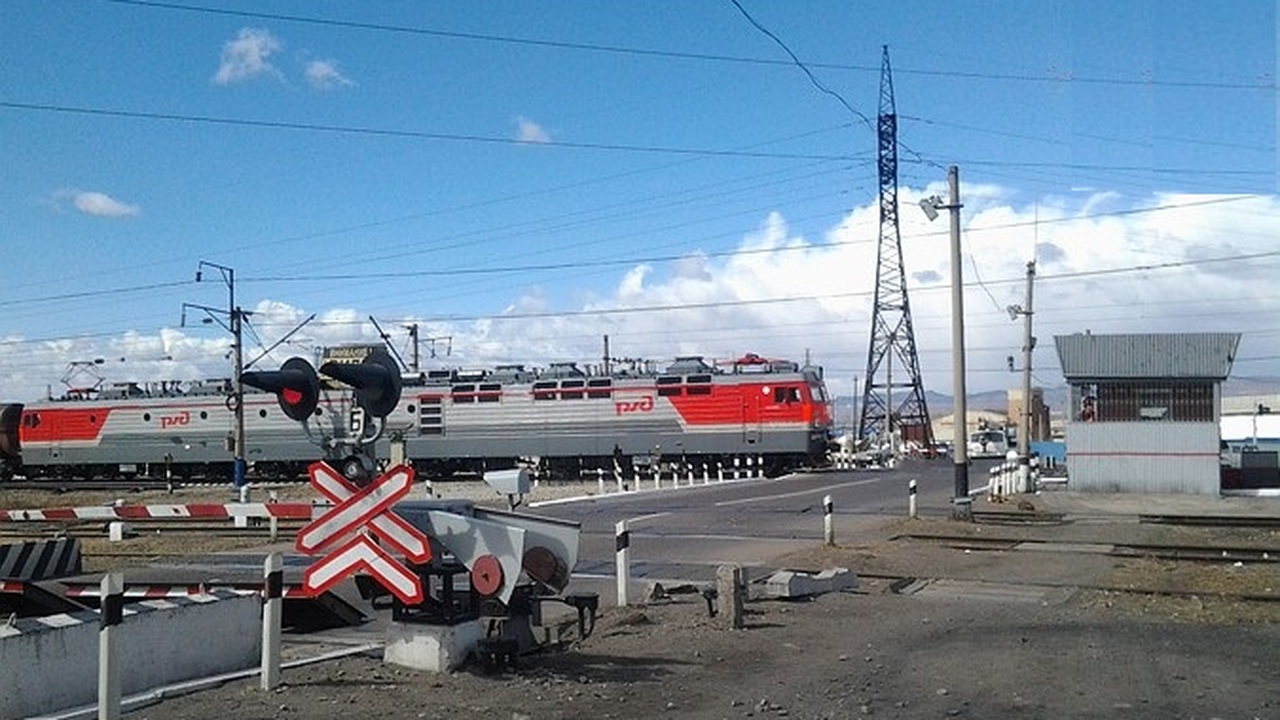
1002,632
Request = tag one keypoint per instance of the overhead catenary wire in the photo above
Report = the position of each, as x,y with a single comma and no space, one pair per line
1047,77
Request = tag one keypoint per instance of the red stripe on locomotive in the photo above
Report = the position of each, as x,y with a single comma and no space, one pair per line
50,424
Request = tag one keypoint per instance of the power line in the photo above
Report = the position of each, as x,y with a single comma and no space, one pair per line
411,134
1056,79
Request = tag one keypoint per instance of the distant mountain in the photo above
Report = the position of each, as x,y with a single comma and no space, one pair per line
1055,397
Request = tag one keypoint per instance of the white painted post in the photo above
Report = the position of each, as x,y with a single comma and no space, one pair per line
617,475
600,481
911,498
272,613
828,522
690,469
109,671
242,521
273,522
736,461
760,466
719,471
622,543
657,475
706,474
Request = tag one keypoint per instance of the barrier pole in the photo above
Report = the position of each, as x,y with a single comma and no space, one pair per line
622,543
828,522
112,613
911,498
272,614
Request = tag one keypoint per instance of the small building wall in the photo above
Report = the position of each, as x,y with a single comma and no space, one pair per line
1153,457
51,664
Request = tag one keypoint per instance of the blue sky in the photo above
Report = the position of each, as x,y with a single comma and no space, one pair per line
523,178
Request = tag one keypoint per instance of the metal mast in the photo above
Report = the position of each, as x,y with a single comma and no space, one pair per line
893,339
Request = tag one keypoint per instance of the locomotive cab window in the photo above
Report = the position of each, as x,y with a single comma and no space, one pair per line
786,394
464,394
544,390
489,393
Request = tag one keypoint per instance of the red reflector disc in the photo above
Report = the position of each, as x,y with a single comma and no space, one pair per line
291,396
486,575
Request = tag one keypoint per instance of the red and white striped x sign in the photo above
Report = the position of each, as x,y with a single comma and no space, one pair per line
358,509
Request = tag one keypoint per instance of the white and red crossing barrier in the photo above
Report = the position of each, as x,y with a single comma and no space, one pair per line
163,591
191,511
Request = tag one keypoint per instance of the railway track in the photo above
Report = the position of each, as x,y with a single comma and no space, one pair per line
1191,553
257,528
63,485
909,585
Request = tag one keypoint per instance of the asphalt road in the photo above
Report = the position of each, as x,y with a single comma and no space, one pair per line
684,533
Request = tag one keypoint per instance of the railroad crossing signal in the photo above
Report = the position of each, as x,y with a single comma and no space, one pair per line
366,512
296,385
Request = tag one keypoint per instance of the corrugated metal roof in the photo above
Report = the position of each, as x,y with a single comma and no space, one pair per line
1171,355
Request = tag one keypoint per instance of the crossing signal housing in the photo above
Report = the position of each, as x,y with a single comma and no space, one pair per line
376,381
296,385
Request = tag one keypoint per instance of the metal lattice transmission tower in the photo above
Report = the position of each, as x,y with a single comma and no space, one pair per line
894,391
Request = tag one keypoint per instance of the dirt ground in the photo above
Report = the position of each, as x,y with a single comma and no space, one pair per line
869,653
1050,635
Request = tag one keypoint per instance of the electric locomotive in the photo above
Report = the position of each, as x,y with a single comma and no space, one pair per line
563,419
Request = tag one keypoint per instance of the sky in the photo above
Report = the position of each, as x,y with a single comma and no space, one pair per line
520,179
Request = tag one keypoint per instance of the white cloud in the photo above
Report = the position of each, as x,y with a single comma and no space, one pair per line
324,75
97,203
782,295
528,131
248,56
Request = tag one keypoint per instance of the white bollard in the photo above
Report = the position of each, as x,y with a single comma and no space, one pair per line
760,466
657,476
617,475
109,670
719,472
706,474
273,524
599,481
736,465
828,522
622,543
911,498
690,470
242,521
272,613
117,530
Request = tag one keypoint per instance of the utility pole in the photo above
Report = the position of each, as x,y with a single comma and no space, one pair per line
1024,423
962,508
413,338
235,319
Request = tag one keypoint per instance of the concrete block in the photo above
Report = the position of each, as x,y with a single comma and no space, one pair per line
433,648
118,530
798,583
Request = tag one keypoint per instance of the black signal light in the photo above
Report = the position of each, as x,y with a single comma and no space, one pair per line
296,385
376,381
